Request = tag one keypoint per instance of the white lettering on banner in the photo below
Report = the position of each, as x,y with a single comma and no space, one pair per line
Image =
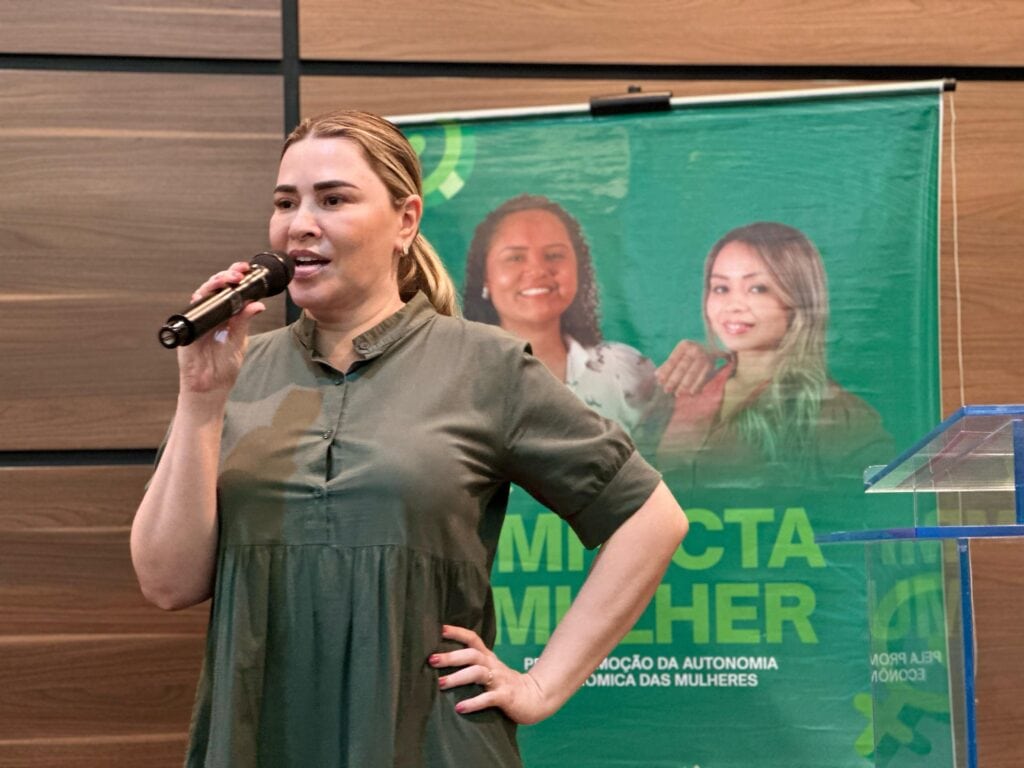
638,670
902,675
903,666
722,680
730,662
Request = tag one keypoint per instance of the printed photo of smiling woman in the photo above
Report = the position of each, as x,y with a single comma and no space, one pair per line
529,271
771,412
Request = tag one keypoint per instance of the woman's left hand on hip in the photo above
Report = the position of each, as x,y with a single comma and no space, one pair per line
515,693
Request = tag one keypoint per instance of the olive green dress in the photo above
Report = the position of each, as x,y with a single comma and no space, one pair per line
359,512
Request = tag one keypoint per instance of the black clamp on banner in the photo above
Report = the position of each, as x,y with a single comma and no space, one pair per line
634,100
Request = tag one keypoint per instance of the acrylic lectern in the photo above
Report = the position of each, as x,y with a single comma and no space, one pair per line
966,481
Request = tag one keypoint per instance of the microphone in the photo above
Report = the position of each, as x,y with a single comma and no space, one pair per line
269,274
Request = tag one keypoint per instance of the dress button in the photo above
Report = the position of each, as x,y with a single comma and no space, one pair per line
326,435
318,492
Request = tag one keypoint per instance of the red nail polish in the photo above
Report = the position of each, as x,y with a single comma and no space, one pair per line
434,659
460,707
441,681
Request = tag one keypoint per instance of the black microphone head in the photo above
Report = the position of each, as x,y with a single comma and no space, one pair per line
280,269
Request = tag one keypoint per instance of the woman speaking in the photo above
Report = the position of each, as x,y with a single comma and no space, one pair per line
338,486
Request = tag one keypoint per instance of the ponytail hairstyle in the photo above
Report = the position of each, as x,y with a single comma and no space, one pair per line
394,161
781,422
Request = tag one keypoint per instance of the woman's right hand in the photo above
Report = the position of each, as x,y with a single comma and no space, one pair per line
686,369
211,363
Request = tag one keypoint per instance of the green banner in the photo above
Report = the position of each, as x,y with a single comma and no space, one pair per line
794,243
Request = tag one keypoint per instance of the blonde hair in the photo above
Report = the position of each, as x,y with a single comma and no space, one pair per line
782,421
394,161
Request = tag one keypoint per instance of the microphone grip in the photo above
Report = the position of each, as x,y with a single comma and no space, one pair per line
183,328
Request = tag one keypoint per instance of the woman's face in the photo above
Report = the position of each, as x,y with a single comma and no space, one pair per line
334,217
530,269
744,305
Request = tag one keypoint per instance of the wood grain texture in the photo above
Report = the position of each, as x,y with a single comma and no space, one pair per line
989,149
74,686
73,581
152,751
768,32
133,188
85,498
65,566
118,385
418,95
998,588
242,29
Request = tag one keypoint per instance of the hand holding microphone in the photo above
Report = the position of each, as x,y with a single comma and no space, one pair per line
269,274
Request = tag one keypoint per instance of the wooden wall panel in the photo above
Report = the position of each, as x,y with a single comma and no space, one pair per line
65,566
90,673
241,29
768,32
999,621
98,686
417,95
989,143
152,751
83,498
121,192
72,581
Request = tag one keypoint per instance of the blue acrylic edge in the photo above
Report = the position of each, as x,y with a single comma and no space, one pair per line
923,532
960,413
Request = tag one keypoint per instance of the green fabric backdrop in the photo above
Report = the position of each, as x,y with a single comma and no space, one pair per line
756,650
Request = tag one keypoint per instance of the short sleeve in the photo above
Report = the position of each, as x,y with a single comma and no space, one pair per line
582,466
